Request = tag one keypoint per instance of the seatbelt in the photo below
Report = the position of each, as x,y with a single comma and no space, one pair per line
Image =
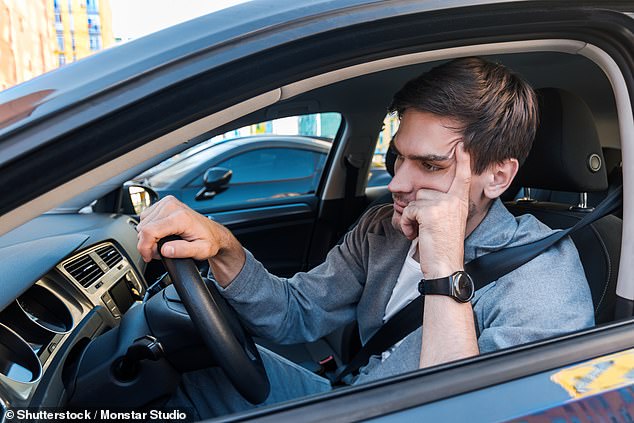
483,270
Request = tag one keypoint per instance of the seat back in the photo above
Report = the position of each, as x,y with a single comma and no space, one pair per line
567,156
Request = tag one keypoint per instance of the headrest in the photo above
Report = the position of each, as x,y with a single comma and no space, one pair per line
566,153
390,161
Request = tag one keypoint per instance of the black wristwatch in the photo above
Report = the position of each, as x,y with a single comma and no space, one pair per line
458,286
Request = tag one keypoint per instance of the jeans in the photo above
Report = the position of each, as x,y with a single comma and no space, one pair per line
210,394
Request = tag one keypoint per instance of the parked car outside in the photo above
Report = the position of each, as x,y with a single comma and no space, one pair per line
264,169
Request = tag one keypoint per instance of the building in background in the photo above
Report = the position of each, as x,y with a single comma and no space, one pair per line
27,43
323,125
81,28
37,36
390,126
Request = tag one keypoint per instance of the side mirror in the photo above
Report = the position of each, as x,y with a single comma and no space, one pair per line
136,198
216,180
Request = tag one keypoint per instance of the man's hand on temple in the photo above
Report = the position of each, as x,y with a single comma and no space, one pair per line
202,238
439,220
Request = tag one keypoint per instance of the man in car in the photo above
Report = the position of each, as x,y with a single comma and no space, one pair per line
465,127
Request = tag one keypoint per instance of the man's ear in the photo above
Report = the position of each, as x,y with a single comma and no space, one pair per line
500,177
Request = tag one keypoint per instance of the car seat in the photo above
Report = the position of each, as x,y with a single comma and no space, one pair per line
567,157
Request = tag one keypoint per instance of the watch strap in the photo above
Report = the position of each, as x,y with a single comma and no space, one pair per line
440,286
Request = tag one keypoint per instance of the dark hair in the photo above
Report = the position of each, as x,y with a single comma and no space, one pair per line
496,108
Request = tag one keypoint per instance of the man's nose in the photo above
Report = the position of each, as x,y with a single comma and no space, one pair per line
402,180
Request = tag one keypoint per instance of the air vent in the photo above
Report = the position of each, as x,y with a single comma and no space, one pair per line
84,270
109,255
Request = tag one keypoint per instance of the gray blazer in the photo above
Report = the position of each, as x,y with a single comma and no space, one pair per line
546,297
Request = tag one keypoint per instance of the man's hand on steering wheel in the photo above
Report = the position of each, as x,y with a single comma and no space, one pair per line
181,235
202,238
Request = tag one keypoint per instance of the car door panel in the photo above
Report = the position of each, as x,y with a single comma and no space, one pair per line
277,235
452,392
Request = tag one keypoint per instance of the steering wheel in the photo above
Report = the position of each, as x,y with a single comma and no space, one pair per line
217,322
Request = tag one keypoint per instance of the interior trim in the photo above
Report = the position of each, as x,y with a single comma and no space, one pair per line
561,46
103,173
626,132
248,215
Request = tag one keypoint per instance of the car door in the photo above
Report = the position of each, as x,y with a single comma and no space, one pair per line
375,33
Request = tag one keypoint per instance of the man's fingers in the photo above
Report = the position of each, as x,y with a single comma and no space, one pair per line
462,179
150,233
161,208
430,195
198,249
156,209
145,213
409,222
147,247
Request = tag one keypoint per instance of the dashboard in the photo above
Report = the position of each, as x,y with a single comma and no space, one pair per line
66,279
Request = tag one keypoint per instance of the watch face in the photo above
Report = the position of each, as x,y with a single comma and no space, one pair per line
463,287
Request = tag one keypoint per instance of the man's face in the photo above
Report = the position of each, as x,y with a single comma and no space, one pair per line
425,144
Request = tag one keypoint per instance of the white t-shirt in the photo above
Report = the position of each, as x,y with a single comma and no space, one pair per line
405,290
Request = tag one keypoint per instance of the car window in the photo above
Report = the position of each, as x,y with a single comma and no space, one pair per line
273,164
378,175
313,134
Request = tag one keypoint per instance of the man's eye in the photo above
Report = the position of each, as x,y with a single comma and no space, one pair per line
430,167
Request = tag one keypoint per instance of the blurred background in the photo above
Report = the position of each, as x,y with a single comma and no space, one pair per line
37,36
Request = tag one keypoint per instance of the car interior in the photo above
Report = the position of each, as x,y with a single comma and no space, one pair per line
75,311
